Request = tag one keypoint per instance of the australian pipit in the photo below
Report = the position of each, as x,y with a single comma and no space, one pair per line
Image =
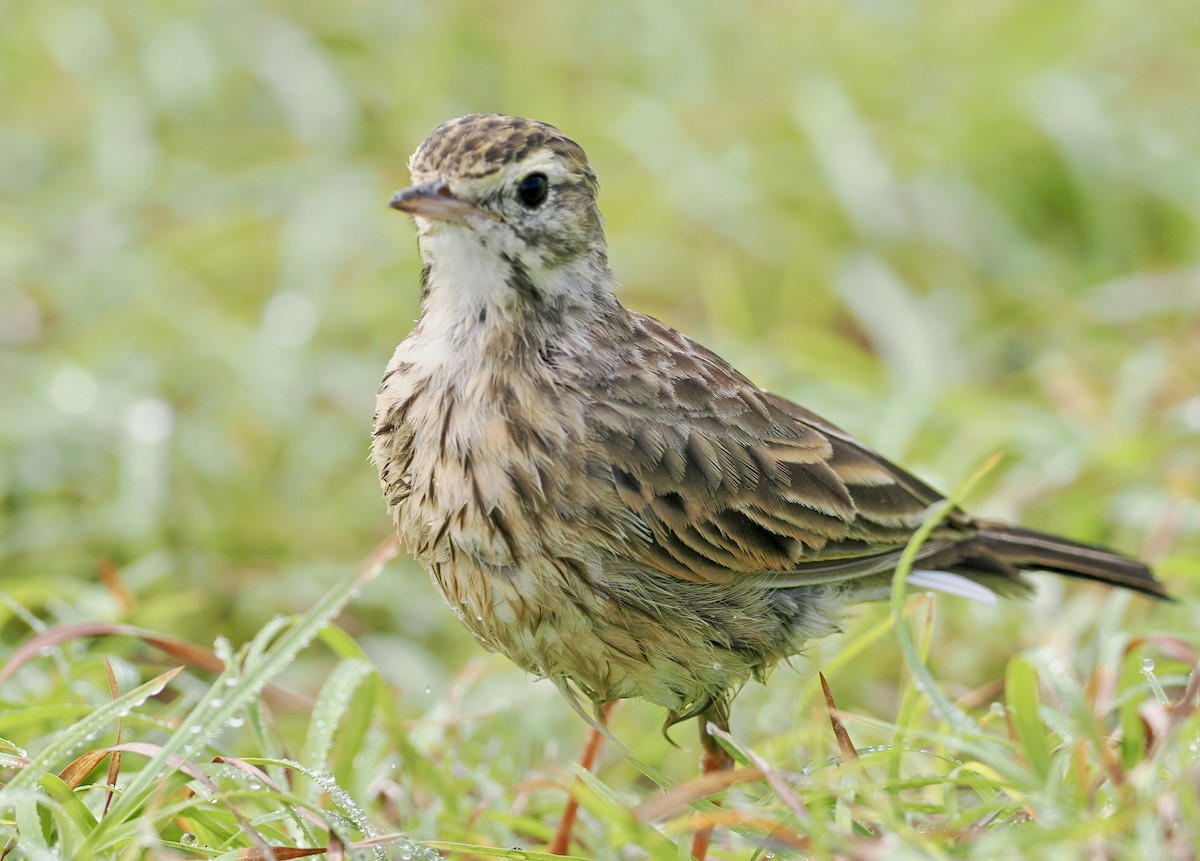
605,501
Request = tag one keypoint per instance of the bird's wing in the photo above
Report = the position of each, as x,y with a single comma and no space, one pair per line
730,480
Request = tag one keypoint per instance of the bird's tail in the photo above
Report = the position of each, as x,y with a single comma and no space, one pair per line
1024,548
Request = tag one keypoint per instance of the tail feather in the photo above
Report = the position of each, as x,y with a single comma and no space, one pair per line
1024,548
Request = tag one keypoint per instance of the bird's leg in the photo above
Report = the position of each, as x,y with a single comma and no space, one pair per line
715,758
591,752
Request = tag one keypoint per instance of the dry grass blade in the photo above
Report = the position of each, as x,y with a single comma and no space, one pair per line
114,764
110,576
770,829
335,851
845,745
183,650
83,765
678,799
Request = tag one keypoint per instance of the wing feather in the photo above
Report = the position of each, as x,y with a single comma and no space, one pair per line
732,481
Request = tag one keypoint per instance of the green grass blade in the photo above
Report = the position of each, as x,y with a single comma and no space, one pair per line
234,692
69,804
1021,693
332,704
958,720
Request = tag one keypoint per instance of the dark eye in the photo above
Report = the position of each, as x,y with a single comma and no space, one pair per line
532,189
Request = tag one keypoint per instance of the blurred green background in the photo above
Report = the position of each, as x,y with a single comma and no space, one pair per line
951,227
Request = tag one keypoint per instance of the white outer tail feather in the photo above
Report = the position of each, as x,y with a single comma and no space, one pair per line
951,584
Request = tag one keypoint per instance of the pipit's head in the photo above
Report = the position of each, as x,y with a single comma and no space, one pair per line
505,210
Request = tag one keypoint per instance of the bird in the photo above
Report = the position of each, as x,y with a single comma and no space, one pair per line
605,501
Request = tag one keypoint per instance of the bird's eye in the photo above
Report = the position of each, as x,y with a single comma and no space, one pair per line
532,189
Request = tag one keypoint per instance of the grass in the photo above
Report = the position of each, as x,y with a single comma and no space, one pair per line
951,228
1061,758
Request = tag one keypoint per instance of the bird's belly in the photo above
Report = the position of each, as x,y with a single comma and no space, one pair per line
554,623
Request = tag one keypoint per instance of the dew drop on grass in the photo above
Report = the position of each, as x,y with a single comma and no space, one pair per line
997,710
344,802
224,650
187,838
216,703
1152,681
235,721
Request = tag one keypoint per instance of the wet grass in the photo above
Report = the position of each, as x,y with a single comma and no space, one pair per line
1064,756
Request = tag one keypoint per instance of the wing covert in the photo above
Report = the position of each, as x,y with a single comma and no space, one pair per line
730,480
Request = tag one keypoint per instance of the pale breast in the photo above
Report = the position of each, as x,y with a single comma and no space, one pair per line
474,466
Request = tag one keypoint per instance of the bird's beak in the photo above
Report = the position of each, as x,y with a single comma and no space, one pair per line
433,199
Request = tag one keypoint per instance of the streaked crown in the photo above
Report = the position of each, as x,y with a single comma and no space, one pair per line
478,145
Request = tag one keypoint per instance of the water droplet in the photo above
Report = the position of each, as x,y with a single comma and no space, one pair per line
1147,665
716,665
187,838
223,649
235,721
195,730
230,682
998,710
216,703
428,689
